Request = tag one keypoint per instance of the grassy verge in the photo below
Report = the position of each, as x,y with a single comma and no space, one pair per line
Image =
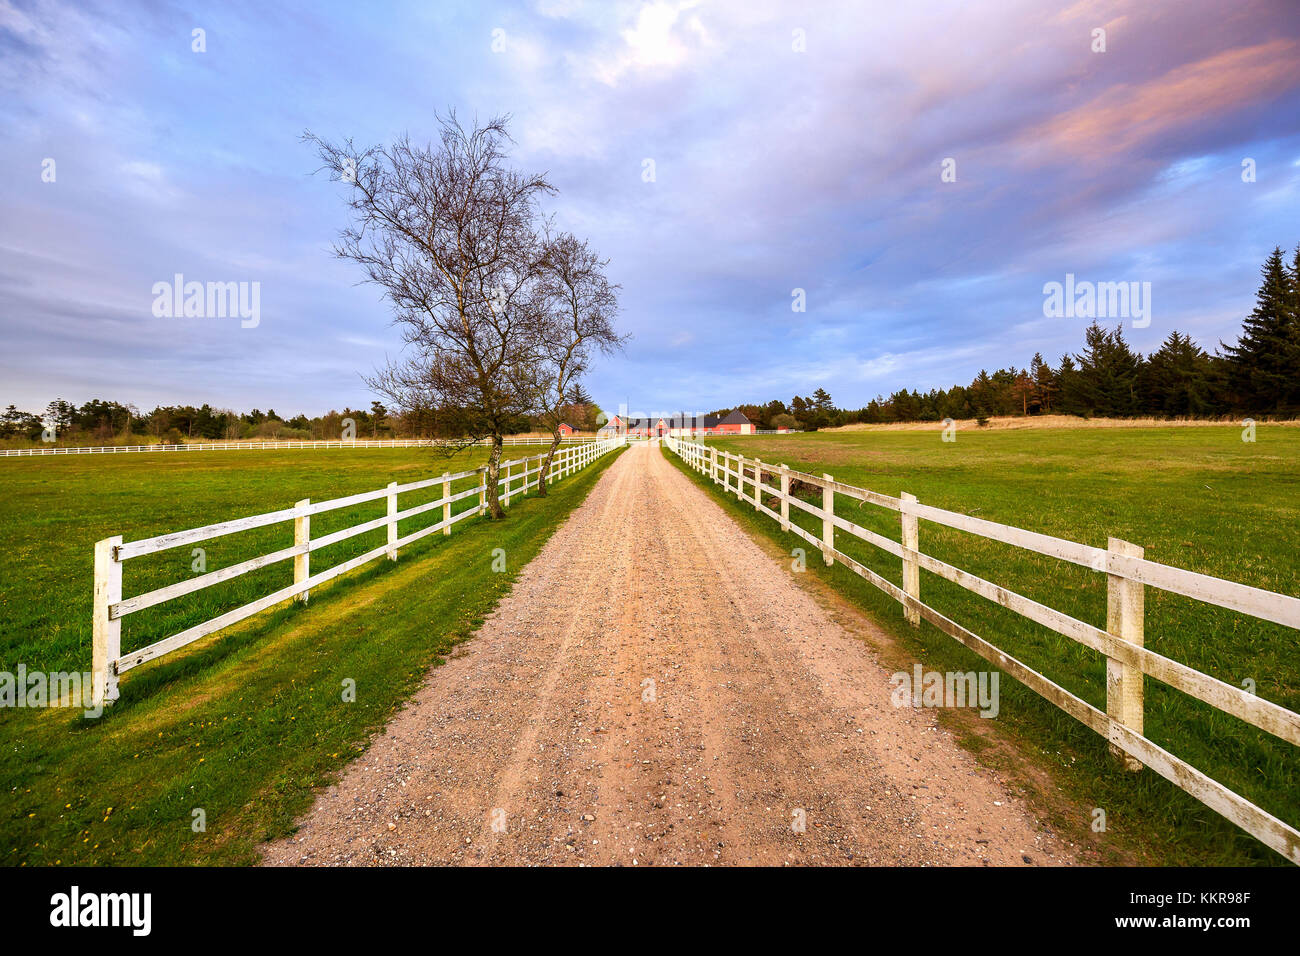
245,727
1195,499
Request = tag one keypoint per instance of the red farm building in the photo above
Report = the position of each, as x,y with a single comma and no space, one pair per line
677,425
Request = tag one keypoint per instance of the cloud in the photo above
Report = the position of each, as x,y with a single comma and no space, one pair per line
1127,117
660,39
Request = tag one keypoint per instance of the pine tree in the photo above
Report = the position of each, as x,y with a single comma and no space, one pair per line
983,396
1108,373
1023,389
1295,284
1045,383
579,395
9,421
1178,379
1264,365
1293,363
1067,379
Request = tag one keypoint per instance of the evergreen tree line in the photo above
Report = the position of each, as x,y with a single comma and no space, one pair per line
99,421
1259,375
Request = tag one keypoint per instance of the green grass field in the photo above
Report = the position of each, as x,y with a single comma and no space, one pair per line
54,509
1197,498
244,725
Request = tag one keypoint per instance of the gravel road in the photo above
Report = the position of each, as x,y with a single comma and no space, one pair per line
658,690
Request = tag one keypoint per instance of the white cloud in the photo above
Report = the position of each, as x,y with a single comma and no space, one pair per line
658,42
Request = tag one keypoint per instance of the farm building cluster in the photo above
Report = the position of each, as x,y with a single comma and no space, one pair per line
678,425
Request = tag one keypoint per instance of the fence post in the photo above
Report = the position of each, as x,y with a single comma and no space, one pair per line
740,477
107,632
393,520
1125,611
302,539
911,542
785,497
828,522
446,509
758,483
507,498
482,491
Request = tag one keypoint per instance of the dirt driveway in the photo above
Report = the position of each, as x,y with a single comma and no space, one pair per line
657,690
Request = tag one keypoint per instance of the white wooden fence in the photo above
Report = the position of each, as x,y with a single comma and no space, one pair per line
517,477
272,445
1127,660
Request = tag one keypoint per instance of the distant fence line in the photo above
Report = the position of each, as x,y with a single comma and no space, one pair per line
278,445
111,553
1128,574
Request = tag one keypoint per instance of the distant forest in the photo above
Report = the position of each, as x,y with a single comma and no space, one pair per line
1259,375
107,422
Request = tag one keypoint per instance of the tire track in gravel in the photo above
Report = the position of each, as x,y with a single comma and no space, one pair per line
762,704
543,738
662,799
809,764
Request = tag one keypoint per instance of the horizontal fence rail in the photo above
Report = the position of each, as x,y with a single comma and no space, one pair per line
278,445
1128,573
695,433
516,478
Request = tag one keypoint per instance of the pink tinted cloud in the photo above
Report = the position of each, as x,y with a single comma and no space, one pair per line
1127,116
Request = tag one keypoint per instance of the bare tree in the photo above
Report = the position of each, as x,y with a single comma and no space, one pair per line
450,233
575,316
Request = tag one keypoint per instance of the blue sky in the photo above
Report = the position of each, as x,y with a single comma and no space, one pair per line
775,169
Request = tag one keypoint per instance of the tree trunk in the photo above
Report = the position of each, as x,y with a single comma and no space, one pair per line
546,464
491,478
